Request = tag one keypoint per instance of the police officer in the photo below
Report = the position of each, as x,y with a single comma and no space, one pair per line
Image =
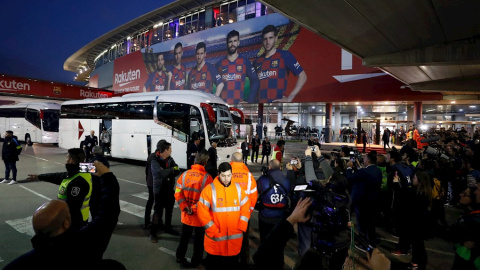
75,187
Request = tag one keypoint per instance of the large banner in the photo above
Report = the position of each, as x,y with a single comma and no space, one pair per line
262,60
36,88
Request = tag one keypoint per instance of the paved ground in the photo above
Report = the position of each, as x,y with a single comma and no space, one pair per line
129,243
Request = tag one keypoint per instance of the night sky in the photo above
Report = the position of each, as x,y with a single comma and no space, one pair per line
38,36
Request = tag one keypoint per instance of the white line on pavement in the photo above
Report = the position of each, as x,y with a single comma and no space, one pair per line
1,260
169,252
22,225
36,157
34,192
132,182
141,195
133,209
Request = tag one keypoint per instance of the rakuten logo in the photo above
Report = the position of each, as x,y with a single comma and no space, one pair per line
231,77
180,82
91,94
125,78
14,86
198,85
266,74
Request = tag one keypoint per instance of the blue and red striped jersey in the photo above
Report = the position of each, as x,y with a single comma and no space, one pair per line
233,76
204,78
179,77
273,72
156,82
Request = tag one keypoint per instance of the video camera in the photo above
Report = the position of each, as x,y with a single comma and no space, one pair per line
435,152
329,212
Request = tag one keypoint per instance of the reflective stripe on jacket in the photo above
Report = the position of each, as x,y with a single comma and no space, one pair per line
187,192
242,176
224,212
85,209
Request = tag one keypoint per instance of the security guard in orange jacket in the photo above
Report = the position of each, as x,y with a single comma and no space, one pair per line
189,186
242,176
223,210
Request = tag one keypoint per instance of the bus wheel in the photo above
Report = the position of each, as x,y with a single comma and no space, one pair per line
28,141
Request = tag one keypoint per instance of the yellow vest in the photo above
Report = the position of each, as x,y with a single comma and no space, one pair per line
63,196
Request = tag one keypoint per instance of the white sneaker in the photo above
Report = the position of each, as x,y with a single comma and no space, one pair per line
12,182
4,181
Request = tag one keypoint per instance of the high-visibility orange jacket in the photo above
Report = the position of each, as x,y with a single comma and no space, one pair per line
224,212
187,192
415,134
242,176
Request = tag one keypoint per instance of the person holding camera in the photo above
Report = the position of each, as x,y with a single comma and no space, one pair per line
164,170
75,187
274,192
366,183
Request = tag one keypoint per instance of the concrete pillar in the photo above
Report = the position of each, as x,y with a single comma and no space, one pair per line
260,121
337,122
280,116
328,122
409,116
417,113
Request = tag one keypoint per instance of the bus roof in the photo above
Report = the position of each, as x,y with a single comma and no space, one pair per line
35,105
183,96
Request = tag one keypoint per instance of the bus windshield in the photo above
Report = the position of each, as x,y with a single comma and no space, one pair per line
50,120
221,132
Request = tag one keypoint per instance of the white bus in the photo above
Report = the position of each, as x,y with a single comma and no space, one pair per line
138,121
31,122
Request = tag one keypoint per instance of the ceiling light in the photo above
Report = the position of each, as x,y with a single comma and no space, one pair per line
453,101
472,106
356,103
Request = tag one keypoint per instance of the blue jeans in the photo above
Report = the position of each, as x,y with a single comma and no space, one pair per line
10,166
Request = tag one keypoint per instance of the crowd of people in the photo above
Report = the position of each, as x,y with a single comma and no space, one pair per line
405,191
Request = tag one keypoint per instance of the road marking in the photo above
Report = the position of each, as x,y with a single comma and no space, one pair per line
141,195
36,157
144,196
1,260
132,182
169,252
22,225
36,193
133,209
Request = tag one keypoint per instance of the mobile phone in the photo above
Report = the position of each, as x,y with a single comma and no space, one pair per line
300,187
293,162
87,168
313,148
352,159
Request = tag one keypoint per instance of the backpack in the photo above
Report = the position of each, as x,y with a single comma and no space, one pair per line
406,174
18,147
274,197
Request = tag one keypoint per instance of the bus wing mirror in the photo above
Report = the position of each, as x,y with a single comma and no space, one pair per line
239,112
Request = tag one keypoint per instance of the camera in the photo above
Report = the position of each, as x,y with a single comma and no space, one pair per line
87,168
329,211
264,170
313,148
435,152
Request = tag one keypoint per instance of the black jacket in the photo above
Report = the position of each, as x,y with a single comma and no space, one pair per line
9,149
163,174
266,148
77,249
269,254
91,142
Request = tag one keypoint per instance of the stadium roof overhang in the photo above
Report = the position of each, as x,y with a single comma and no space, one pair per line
85,57
429,45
